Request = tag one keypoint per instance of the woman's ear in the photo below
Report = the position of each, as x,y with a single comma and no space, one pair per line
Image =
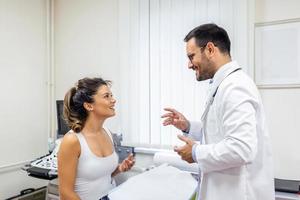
88,106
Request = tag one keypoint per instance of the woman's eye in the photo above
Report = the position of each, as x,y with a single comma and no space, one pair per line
108,96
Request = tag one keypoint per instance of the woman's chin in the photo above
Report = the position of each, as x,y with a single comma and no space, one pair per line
112,114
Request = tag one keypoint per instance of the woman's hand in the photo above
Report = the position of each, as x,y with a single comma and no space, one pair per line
126,164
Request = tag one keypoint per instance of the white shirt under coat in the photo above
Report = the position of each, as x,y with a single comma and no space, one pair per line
234,156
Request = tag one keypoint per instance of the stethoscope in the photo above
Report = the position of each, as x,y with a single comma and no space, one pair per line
212,97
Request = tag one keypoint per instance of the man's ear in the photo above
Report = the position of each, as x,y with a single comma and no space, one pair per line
88,106
211,49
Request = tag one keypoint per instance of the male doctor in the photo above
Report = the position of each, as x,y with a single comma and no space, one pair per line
234,154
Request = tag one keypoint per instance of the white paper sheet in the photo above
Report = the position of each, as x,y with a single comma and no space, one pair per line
175,160
161,183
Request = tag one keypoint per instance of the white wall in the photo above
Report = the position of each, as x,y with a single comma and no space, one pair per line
24,91
86,44
282,105
273,10
15,180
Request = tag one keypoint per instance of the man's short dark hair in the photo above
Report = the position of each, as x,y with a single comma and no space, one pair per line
210,33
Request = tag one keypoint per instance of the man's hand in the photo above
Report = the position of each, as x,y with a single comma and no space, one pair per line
126,164
175,118
185,151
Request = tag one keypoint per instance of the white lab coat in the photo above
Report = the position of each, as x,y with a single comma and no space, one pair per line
234,156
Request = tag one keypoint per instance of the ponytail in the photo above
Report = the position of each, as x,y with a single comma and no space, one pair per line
71,115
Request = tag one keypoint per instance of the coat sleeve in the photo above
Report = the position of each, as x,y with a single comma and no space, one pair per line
238,124
195,131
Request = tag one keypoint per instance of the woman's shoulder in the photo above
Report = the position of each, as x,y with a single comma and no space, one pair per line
107,131
70,139
69,148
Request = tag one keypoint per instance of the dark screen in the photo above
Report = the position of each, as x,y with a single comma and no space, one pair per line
62,127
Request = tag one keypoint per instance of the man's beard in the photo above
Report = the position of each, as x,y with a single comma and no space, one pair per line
208,74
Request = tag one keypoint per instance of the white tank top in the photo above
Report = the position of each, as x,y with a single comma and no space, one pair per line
93,179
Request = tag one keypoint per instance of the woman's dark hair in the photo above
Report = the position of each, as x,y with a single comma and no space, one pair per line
210,33
74,112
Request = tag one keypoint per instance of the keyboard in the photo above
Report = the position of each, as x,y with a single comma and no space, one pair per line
45,167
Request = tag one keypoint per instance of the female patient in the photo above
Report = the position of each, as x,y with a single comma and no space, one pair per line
87,159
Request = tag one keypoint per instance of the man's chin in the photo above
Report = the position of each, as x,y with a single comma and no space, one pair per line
200,78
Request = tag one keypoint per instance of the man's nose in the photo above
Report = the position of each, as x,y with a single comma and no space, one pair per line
190,65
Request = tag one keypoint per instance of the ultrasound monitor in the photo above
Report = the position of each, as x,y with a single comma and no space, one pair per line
62,127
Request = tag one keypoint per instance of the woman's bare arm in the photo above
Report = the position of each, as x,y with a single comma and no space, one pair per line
68,155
